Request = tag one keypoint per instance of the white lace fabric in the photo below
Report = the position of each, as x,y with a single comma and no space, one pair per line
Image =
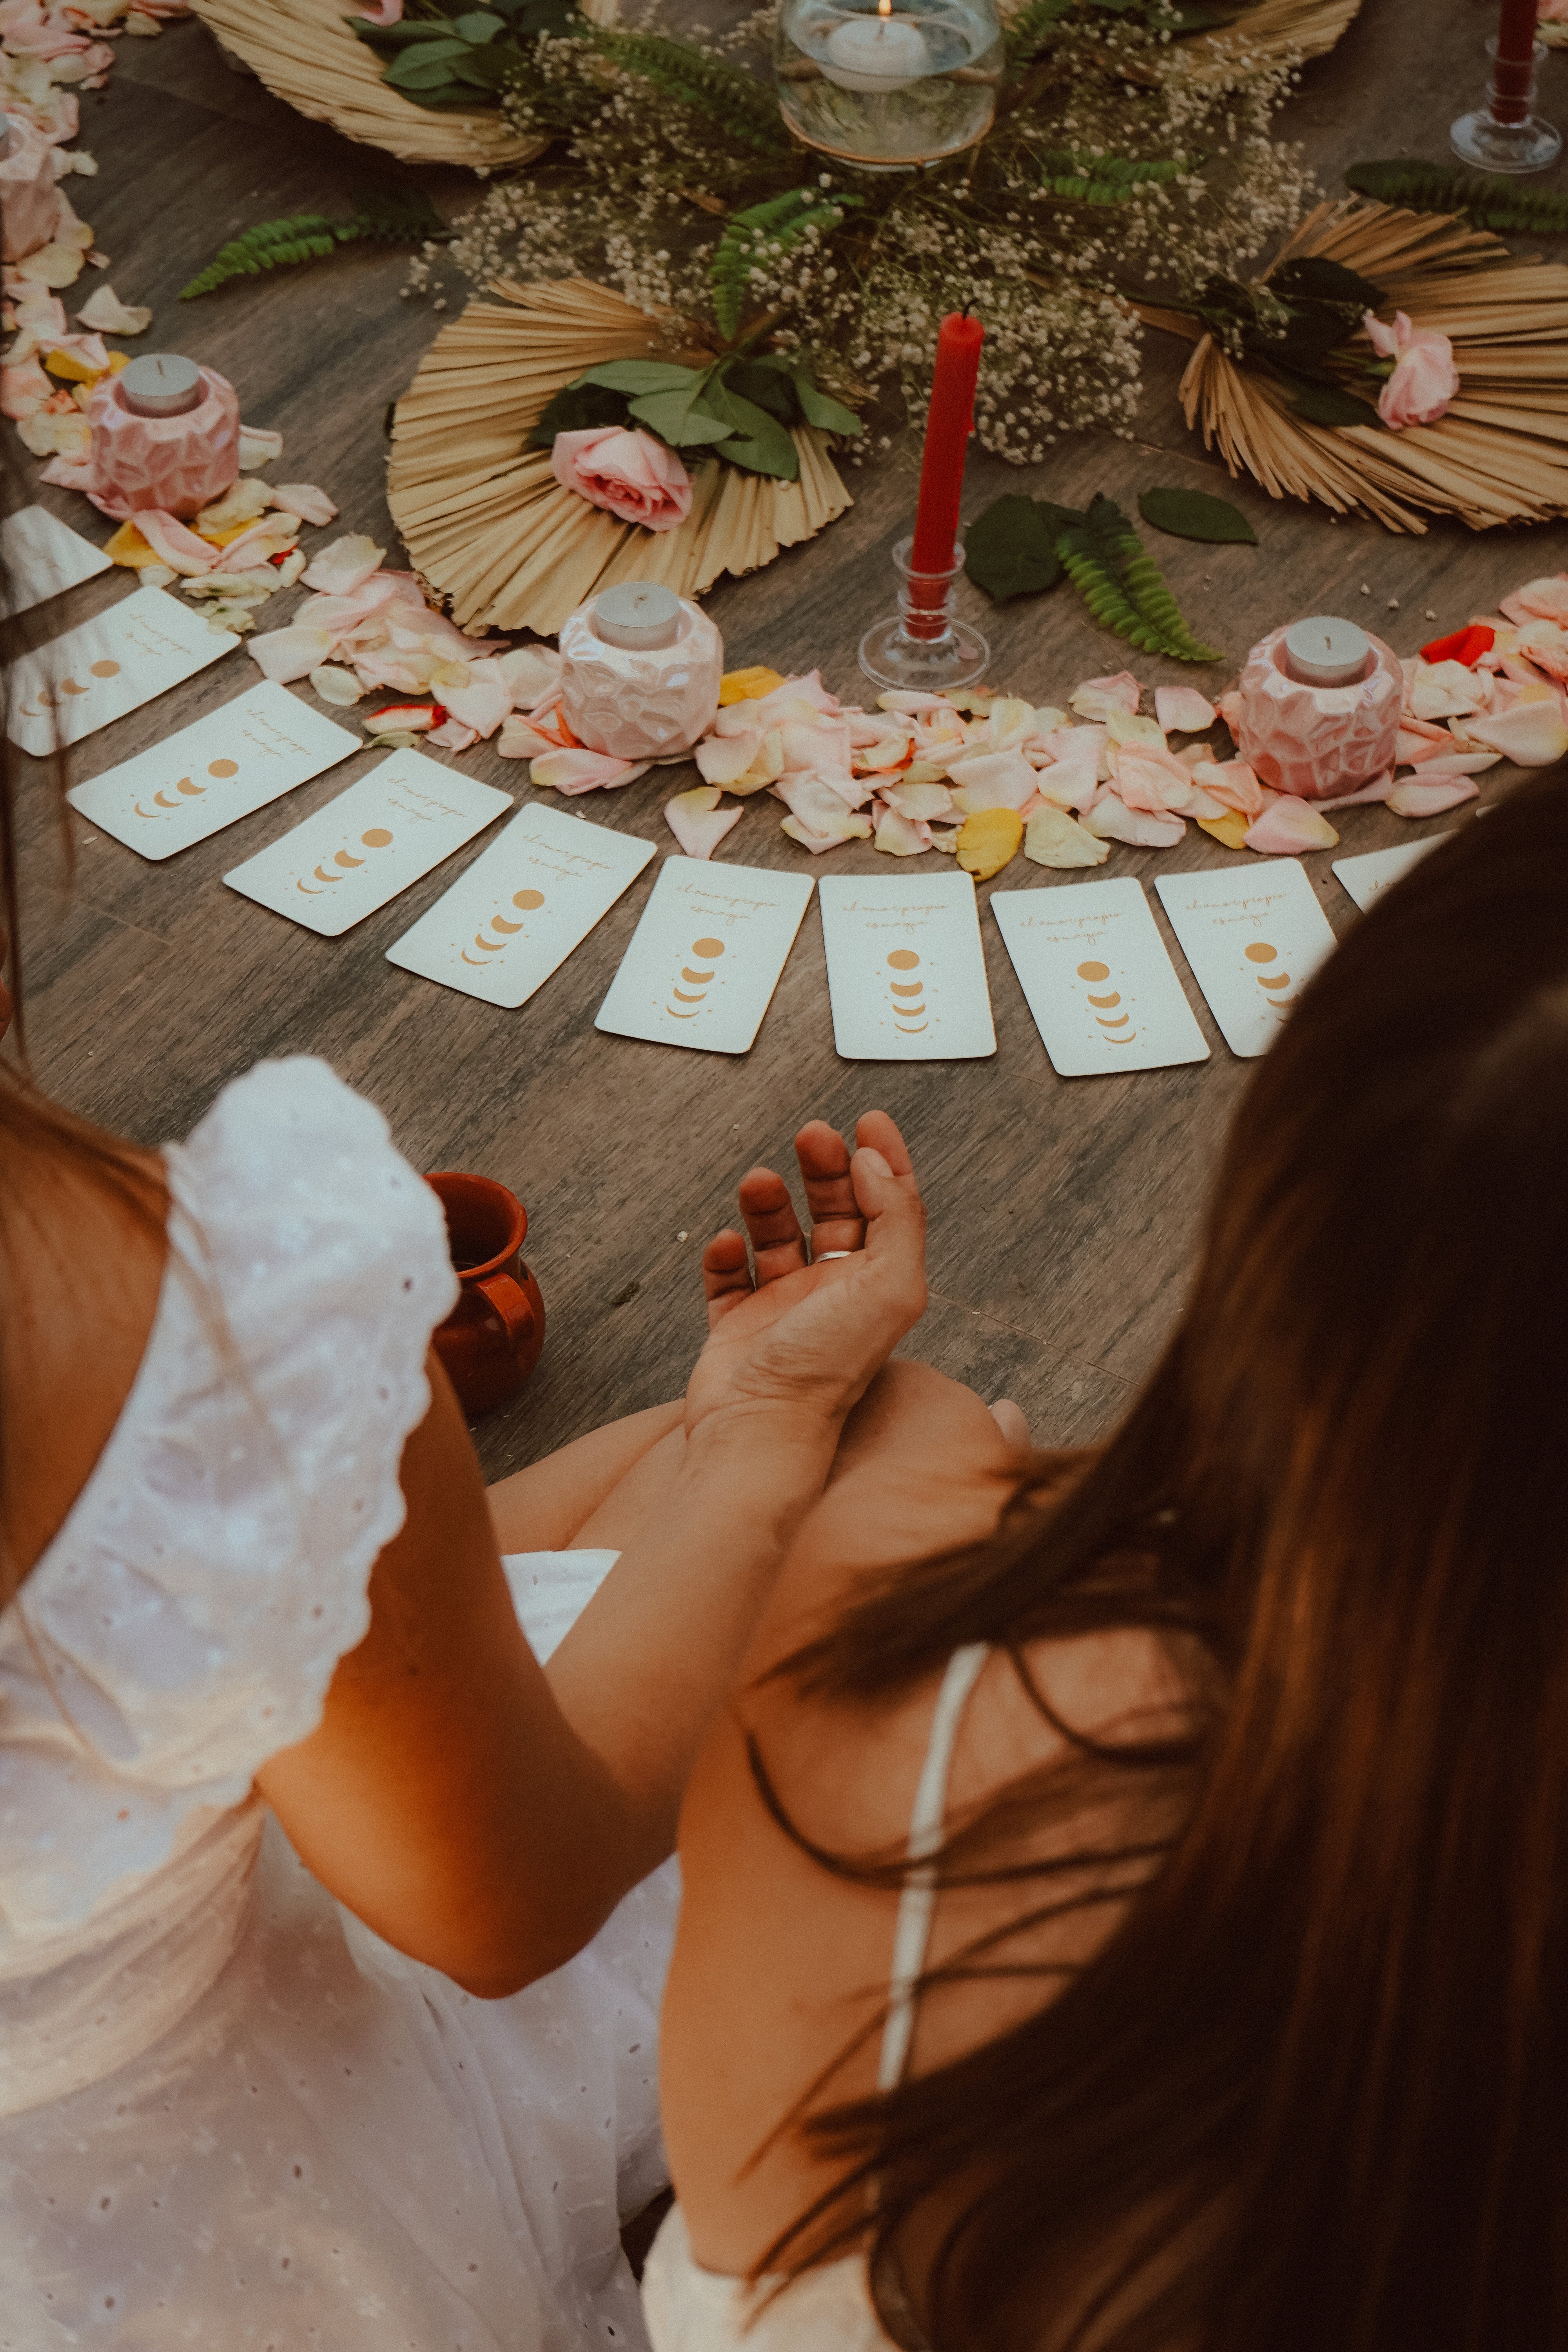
229,2115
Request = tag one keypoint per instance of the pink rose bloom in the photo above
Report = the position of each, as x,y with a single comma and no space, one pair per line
386,12
630,473
1425,378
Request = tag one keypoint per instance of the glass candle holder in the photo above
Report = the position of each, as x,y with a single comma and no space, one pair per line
1312,739
923,647
640,670
1505,135
885,88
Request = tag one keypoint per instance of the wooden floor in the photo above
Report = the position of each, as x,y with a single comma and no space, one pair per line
1064,1214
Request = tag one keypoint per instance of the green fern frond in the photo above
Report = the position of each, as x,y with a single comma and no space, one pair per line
1105,179
1124,589
392,217
1032,27
772,227
727,94
1418,187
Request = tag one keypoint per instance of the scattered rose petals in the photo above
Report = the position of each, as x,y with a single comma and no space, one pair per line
453,736
174,544
302,499
335,685
697,822
1545,599
1287,827
1447,690
258,447
1052,838
1233,783
284,655
1417,799
1110,819
1229,830
1532,734
1097,698
345,565
531,672
747,684
575,771
991,780
901,837
988,839
1183,711
923,801
52,265
104,311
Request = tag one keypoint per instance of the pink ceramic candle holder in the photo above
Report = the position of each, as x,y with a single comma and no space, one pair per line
29,192
177,463
640,670
1316,742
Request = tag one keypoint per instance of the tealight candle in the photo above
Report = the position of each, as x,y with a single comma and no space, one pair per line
640,670
166,436
1323,652
161,383
883,52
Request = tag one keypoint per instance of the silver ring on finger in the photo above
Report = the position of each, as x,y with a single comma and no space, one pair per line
820,1257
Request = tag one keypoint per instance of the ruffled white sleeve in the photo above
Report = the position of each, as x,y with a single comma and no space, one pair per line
185,1624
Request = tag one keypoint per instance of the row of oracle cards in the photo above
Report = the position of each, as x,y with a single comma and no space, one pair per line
905,966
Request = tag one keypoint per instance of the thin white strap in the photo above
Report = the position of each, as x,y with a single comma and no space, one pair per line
917,1903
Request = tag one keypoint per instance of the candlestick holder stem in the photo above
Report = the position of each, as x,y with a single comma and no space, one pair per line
1504,135
923,647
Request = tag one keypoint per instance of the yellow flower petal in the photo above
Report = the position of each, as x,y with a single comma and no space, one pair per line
987,840
747,684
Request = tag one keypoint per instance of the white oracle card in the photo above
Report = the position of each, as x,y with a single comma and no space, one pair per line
1365,878
1097,978
1252,938
372,842
43,557
906,971
519,910
137,649
226,766
707,956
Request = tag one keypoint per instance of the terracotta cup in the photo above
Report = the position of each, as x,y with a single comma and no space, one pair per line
492,1340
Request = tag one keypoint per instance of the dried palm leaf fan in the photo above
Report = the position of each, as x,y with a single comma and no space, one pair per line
1274,28
1499,455
485,522
306,53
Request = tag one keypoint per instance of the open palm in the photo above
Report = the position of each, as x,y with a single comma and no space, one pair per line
812,1325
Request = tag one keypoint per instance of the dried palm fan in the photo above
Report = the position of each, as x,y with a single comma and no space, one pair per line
1499,455
1279,28
306,53
485,522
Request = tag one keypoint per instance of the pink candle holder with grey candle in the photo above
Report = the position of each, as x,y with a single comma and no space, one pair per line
166,436
1318,709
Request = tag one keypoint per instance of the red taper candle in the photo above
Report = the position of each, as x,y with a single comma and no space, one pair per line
1515,62
950,420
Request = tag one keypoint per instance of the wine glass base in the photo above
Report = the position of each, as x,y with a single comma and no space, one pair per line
891,657
1493,146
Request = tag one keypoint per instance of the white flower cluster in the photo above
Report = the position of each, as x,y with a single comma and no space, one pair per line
646,178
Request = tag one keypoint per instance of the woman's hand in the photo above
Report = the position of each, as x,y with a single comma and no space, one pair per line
813,1326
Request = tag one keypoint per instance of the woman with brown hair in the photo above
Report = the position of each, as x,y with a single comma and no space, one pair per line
388,2087
1228,1949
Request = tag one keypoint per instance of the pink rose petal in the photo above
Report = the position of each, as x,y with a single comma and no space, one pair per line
696,821
899,836
1183,711
1233,785
176,546
345,565
284,655
302,499
451,736
1287,827
574,772
1378,790
629,473
1099,696
1110,819
1417,799
483,703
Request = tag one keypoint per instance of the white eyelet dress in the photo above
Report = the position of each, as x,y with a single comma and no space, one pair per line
231,2119
830,2308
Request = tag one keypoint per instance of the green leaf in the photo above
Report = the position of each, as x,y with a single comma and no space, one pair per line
575,410
1326,403
677,417
771,388
1011,549
401,215
1112,569
1194,514
745,108
479,26
400,36
425,68
640,375
757,441
818,408
1317,279
1419,188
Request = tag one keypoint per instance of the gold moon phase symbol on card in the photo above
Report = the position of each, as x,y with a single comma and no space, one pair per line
698,979
906,987
1260,952
162,803
499,923
325,877
69,686
527,900
1273,980
191,792
376,838
1095,972
708,949
1105,1002
902,960
492,947
223,766
707,952
343,858
102,670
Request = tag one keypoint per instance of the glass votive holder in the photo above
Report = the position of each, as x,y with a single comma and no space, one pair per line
923,647
1505,135
885,88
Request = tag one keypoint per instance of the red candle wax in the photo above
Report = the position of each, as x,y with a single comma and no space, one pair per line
1515,62
949,423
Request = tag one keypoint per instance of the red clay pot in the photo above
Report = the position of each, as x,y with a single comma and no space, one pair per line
492,1340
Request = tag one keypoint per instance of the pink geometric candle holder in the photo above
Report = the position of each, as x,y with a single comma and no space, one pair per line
1316,742
176,464
640,670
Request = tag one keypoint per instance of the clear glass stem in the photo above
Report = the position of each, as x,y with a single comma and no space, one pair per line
924,647
1505,135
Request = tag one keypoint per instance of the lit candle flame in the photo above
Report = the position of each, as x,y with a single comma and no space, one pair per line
884,7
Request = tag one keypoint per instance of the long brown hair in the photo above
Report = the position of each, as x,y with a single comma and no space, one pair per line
1311,2094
